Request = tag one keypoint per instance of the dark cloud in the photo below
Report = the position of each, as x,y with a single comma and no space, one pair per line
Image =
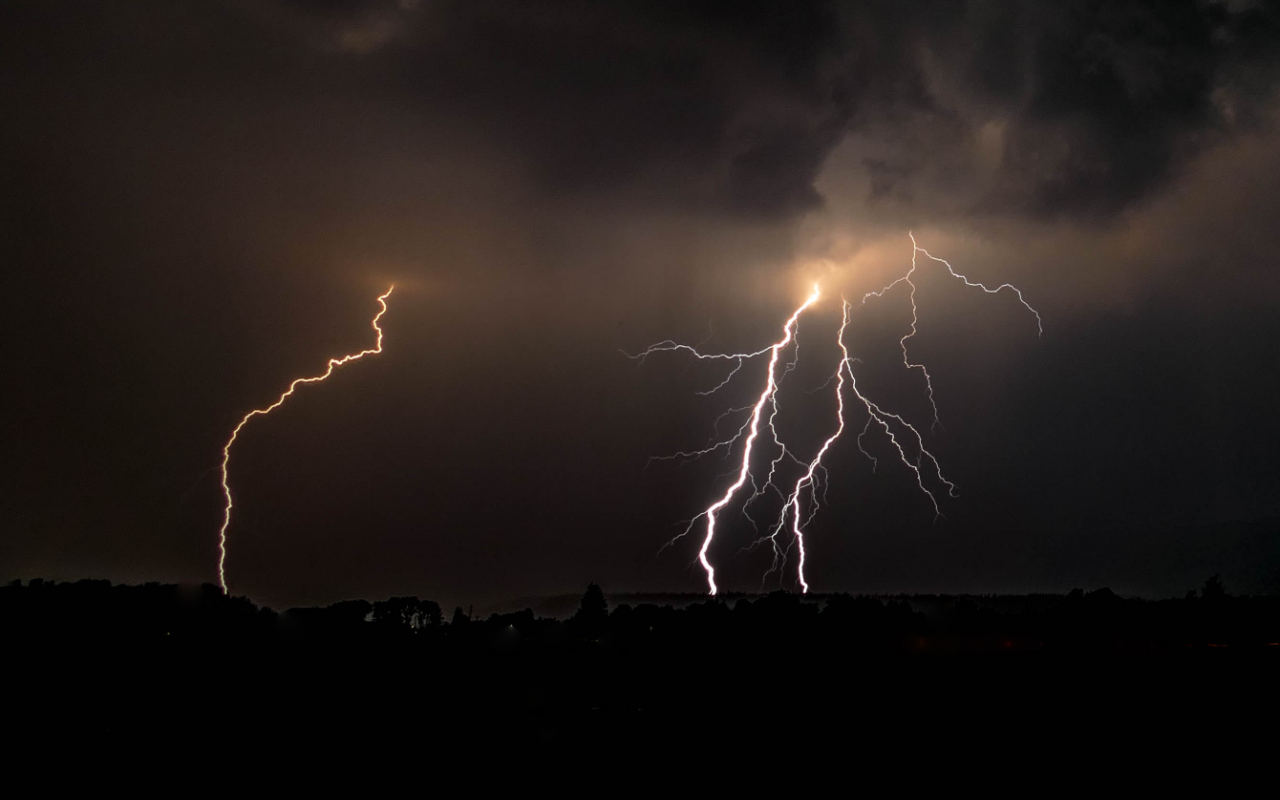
1097,103
729,106
1083,107
734,107
1119,94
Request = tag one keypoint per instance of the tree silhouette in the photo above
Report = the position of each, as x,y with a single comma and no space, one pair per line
1213,589
593,614
408,613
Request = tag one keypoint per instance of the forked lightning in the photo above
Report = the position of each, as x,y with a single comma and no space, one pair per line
914,455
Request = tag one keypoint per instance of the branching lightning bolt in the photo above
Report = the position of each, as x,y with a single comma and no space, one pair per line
807,479
751,427
916,249
914,454
333,364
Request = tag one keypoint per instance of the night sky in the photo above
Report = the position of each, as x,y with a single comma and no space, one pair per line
202,200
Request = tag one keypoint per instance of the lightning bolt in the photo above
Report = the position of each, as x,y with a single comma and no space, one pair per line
906,439
333,364
751,427
807,479
916,249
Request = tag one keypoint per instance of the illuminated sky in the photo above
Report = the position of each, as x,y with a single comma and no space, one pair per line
202,200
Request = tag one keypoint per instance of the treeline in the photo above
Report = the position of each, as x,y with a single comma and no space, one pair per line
96,666
94,611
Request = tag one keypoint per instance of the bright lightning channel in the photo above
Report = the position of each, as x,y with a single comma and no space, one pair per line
752,425
923,464
807,479
333,364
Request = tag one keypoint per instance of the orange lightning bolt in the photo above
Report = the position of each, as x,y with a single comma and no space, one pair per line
334,363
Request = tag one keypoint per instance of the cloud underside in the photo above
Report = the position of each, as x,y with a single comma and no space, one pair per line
1073,109
1066,109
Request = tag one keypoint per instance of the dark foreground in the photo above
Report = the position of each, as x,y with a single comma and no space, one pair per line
154,668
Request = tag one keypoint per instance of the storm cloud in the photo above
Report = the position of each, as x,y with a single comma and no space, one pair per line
1076,108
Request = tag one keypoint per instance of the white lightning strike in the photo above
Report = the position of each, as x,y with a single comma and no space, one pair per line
333,364
807,479
914,455
916,249
752,425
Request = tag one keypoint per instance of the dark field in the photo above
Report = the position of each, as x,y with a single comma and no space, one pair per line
103,667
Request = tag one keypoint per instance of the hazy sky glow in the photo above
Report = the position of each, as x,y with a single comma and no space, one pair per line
202,201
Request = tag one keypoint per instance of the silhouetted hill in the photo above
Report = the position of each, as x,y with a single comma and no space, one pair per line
623,670
93,612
